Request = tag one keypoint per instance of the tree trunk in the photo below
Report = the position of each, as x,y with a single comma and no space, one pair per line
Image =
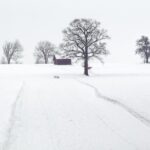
146,60
8,61
86,63
46,60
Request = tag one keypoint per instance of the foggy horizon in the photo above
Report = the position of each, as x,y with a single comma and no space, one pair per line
31,21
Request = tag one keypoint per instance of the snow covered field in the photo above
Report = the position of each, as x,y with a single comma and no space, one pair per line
107,111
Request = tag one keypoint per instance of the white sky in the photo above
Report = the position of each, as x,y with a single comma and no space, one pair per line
30,21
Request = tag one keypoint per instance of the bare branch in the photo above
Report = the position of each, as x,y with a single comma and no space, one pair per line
84,39
12,51
43,51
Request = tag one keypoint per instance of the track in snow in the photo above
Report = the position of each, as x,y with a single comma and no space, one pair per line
138,116
61,121
12,120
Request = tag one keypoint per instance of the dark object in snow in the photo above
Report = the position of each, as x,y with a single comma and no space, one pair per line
61,61
89,68
57,77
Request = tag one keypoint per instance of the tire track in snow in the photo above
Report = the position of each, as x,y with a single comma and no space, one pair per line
113,130
12,120
53,139
116,133
135,114
45,114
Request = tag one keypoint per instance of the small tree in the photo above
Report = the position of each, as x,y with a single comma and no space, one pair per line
84,39
143,48
12,52
43,51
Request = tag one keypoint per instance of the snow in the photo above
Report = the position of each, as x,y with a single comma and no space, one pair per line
8,96
107,111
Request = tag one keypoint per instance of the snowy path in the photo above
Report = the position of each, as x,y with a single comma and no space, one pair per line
48,116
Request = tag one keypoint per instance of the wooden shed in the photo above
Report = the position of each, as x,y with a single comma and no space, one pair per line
61,61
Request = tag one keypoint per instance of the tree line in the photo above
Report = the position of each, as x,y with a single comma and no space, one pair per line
83,39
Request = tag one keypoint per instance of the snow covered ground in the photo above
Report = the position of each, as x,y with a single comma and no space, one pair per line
107,111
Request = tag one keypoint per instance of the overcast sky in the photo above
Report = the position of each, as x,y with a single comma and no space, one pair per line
30,21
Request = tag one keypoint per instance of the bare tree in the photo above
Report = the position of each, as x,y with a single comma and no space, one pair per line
12,52
43,51
143,48
84,39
